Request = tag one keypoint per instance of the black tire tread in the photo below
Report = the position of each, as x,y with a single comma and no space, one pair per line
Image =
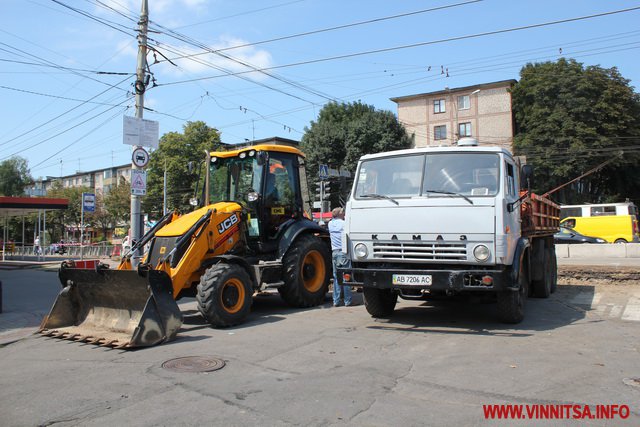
208,288
379,303
294,292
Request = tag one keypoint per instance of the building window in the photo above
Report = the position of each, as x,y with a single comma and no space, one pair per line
439,106
464,129
107,174
463,102
440,132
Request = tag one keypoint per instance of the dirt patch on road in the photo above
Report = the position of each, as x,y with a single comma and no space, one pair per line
598,275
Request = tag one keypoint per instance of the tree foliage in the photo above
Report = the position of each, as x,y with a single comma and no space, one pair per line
118,202
175,152
14,176
72,216
569,120
346,131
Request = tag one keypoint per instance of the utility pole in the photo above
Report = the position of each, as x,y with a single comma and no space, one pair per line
140,87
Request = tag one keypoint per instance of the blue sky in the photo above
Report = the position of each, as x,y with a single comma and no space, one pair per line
62,116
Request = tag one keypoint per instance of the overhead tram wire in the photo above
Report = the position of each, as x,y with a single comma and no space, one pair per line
102,21
64,113
353,24
118,113
231,73
253,68
426,43
240,14
23,149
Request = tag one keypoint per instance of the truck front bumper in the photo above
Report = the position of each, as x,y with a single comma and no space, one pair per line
441,280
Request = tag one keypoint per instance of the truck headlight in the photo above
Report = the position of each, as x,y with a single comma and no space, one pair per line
360,250
481,253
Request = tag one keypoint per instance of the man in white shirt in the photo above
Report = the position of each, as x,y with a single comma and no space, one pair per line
336,226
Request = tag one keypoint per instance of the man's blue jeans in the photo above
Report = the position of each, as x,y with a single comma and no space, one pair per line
339,259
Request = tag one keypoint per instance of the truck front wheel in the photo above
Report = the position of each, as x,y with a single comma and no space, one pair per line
379,302
511,303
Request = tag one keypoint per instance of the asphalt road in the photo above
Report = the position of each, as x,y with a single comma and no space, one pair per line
433,363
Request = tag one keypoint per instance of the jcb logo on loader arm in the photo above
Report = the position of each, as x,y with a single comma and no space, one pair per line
228,223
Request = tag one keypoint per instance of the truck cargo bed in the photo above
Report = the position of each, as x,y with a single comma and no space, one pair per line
540,216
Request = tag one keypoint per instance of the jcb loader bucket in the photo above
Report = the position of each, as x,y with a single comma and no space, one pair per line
114,308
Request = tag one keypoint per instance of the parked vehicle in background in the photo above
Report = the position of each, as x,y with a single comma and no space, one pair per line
441,221
570,236
59,248
599,209
612,228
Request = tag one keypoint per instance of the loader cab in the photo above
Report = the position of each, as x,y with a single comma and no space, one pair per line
268,181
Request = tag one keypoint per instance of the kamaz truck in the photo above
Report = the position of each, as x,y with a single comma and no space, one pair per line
445,221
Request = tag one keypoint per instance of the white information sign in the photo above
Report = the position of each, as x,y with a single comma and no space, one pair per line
89,202
138,182
140,132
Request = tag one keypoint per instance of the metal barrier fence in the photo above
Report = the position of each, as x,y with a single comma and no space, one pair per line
70,251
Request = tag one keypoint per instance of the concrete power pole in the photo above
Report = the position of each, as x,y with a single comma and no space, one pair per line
140,87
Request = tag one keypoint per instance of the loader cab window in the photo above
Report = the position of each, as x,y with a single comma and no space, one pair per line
232,179
280,200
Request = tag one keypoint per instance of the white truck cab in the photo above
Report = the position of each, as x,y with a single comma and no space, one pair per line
436,220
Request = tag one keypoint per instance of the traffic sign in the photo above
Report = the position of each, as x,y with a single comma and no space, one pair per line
88,202
324,172
138,182
140,157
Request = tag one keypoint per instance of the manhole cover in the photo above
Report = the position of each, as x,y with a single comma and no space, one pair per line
633,382
194,364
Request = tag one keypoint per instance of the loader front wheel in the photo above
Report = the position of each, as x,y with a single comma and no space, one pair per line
225,295
307,269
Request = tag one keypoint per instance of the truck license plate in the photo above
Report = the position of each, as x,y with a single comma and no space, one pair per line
411,279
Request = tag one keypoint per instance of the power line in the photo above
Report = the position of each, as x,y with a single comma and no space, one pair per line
109,24
340,27
39,126
240,14
413,45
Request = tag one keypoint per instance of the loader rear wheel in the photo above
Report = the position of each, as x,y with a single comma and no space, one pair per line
307,269
379,302
225,295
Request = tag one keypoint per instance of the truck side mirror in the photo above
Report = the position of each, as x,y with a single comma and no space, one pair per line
526,176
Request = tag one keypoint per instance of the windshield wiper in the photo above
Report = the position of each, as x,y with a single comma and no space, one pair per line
380,196
449,193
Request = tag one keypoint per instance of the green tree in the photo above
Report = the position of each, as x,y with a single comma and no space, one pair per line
570,119
14,176
175,152
346,131
71,216
118,202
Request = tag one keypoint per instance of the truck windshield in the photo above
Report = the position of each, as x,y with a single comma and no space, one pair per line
430,175
231,179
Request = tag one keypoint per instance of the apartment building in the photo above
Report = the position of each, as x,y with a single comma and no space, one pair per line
480,111
99,180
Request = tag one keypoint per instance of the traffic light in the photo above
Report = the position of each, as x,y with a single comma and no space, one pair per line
319,190
326,190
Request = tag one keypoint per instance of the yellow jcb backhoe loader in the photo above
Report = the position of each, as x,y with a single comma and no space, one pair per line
249,233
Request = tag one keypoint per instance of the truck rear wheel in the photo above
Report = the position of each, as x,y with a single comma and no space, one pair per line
542,287
225,295
379,302
511,303
554,269
307,269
